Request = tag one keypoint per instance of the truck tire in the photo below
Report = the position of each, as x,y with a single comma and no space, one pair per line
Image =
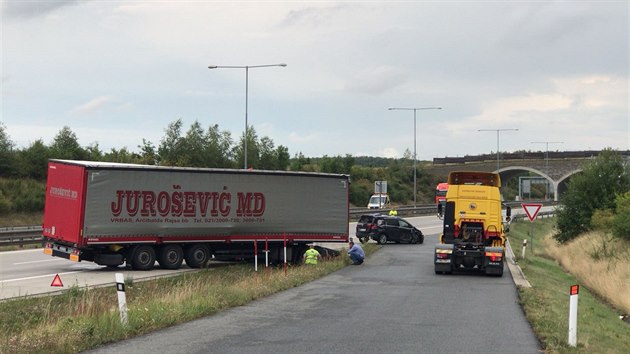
382,239
197,255
170,256
142,257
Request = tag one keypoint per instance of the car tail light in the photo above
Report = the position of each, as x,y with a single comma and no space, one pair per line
441,255
494,256
372,226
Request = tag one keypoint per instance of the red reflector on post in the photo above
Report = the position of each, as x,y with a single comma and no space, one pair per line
575,289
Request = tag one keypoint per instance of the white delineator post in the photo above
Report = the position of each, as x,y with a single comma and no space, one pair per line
524,248
122,299
573,306
255,255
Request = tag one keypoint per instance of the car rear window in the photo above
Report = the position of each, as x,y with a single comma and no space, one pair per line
366,219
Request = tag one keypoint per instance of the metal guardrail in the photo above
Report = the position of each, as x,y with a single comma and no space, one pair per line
25,235
20,235
540,215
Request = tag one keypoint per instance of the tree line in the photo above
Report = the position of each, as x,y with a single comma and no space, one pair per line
199,147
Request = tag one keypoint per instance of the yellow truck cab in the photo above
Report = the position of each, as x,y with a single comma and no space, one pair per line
473,237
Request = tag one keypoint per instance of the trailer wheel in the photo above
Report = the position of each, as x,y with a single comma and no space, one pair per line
196,255
382,239
143,257
170,256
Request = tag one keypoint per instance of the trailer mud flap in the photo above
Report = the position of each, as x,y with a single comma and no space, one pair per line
443,258
493,260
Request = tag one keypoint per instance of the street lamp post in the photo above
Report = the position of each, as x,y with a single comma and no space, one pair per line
498,131
414,141
547,157
246,67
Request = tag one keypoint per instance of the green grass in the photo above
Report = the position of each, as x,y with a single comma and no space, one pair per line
546,303
81,319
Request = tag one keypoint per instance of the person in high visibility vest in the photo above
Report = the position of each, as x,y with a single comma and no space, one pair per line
312,256
393,212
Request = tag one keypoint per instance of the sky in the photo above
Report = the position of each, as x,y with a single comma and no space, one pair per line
118,72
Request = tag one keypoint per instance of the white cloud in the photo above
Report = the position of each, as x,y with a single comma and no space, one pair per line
93,105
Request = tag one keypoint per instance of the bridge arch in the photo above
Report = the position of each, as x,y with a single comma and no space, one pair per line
561,184
511,171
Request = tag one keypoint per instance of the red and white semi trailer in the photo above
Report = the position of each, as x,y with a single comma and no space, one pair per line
113,213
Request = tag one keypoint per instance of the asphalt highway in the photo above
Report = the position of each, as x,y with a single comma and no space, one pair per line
393,303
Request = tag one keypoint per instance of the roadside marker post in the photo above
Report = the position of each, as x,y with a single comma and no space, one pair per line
285,253
255,255
122,298
524,248
573,306
531,210
266,253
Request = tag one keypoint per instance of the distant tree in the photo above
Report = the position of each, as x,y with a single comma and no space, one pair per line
299,161
93,152
253,152
122,155
170,148
219,147
595,188
148,155
34,160
193,151
282,157
66,146
8,161
267,152
329,164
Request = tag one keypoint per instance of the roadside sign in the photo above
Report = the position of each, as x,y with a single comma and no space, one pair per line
531,210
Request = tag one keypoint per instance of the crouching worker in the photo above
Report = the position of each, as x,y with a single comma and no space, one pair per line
356,253
312,256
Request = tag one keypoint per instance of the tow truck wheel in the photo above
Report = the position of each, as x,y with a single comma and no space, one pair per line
170,256
382,239
197,255
143,257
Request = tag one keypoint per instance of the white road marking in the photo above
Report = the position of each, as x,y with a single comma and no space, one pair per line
40,276
45,260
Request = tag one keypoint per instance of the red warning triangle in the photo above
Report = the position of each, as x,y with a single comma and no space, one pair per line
56,281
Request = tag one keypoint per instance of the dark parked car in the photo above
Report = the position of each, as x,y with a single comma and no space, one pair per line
383,228
364,226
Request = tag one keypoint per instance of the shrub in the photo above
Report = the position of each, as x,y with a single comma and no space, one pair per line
621,225
603,220
595,188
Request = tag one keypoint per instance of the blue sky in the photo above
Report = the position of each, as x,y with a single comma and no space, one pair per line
116,72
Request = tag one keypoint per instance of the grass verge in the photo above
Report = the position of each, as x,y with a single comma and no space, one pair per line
82,319
546,303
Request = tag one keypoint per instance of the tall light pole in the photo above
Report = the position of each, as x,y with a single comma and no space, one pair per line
498,131
414,141
246,67
547,157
